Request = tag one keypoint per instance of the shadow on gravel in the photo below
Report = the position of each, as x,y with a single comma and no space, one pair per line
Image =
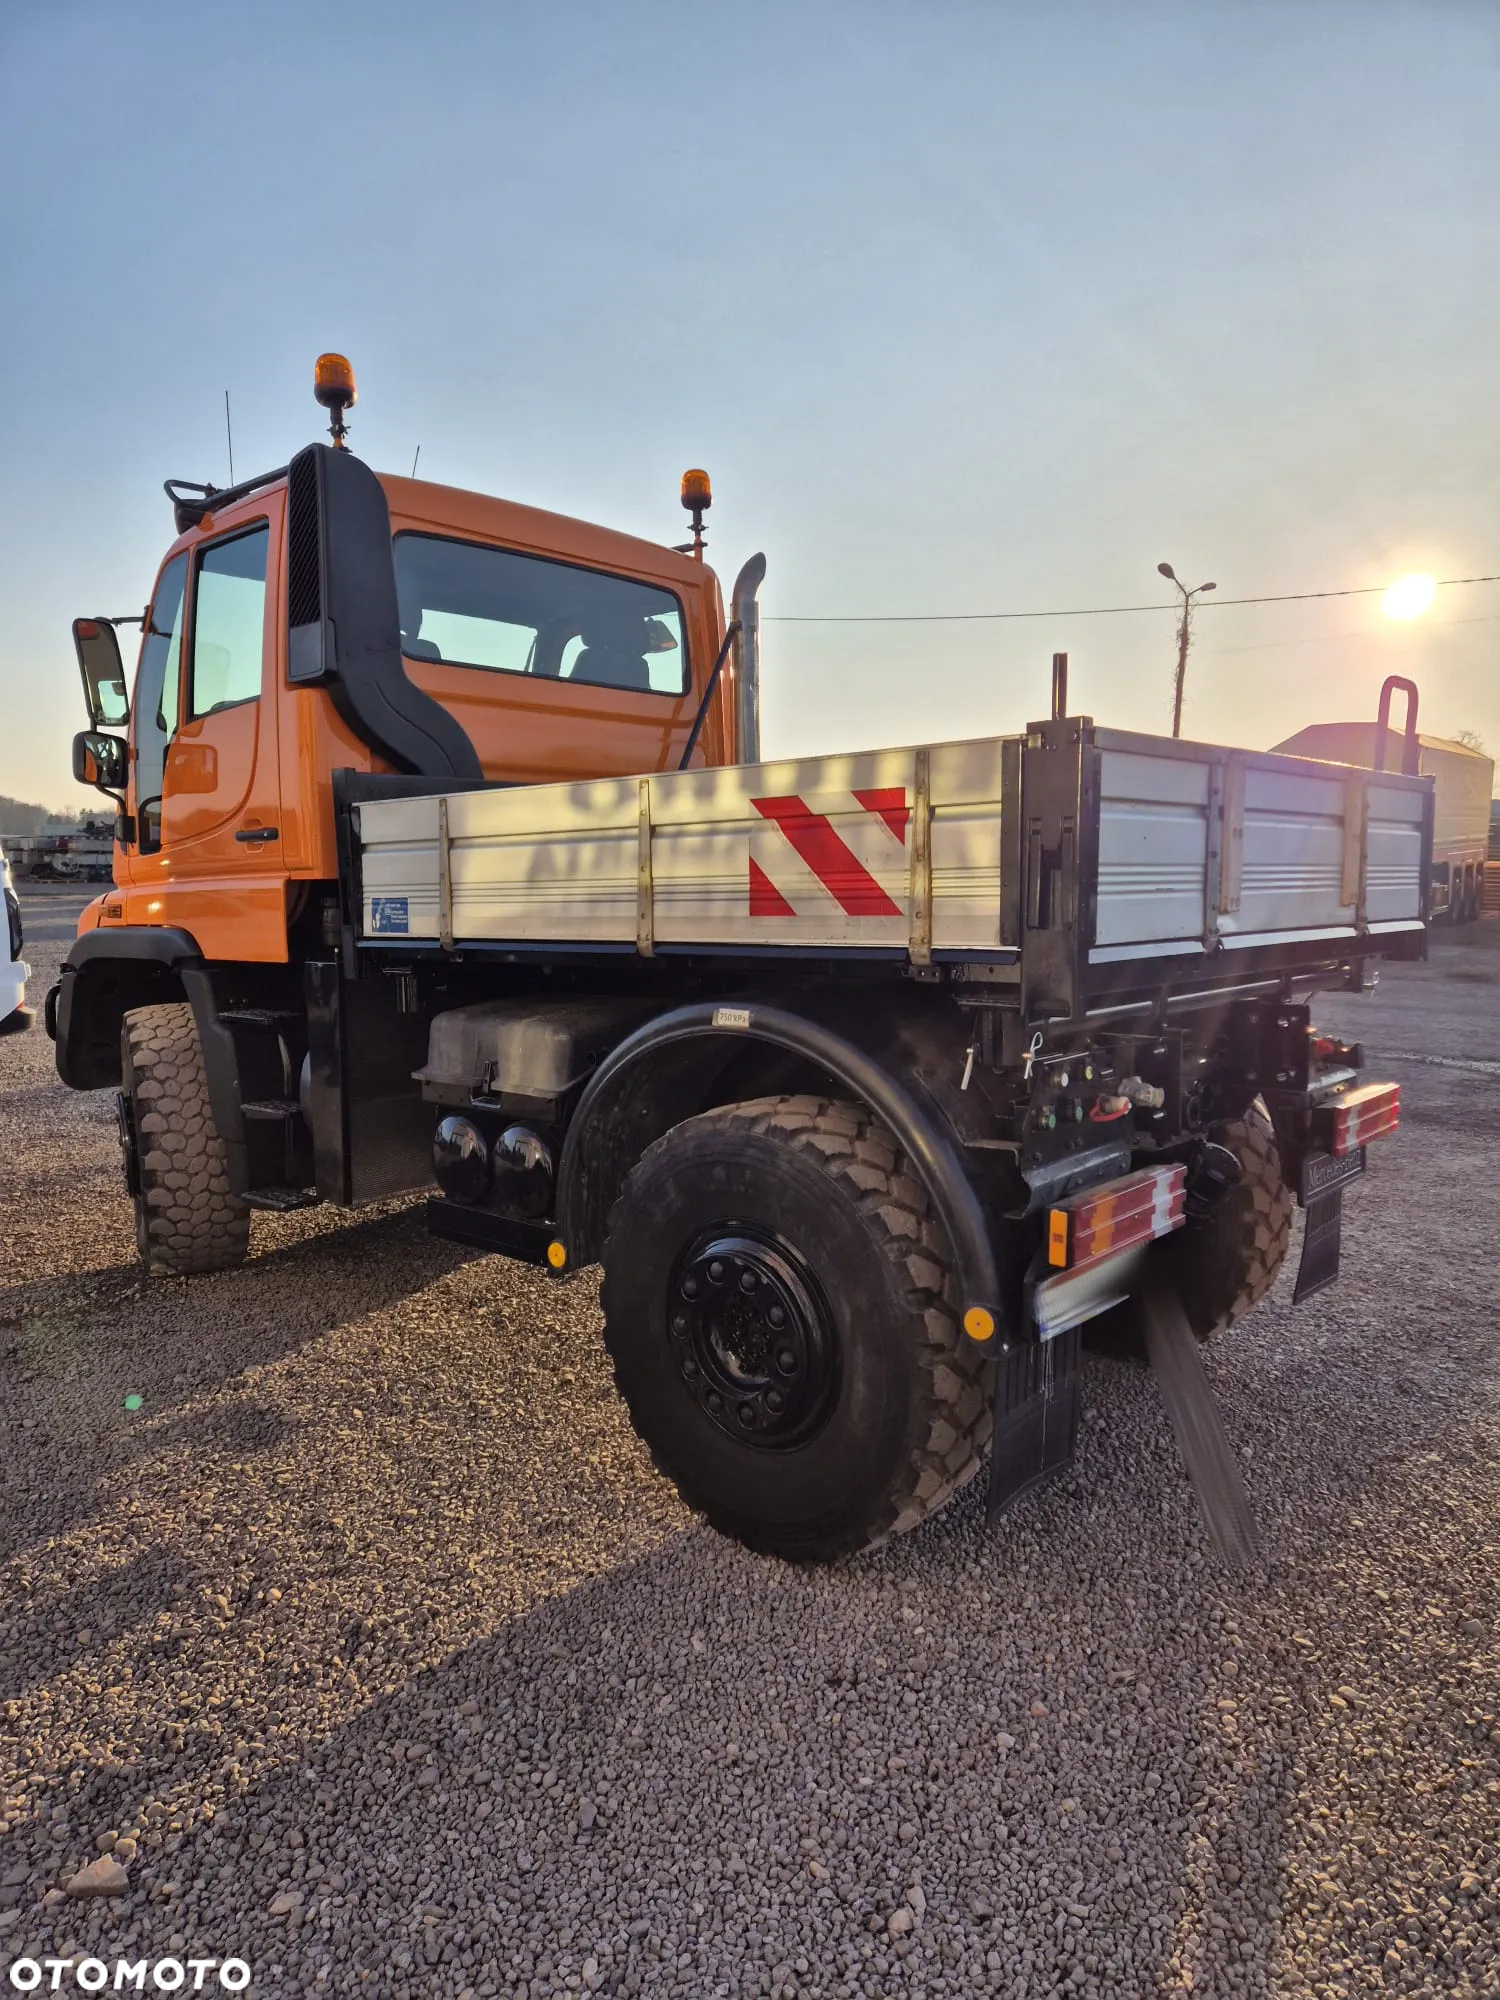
58,1627
638,1762
627,1761
98,1336
220,1323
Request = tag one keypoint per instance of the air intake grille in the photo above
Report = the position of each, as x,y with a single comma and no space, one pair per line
304,581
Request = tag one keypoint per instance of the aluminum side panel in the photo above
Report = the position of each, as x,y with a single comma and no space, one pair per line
1393,866
811,852
1153,849
1292,868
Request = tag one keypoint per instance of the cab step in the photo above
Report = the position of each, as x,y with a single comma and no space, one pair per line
280,1200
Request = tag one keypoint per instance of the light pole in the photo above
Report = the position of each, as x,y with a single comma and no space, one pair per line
1183,633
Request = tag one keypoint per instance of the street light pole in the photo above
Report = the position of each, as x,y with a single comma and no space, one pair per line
1184,633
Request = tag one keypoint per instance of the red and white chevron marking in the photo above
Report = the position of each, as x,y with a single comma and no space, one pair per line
801,859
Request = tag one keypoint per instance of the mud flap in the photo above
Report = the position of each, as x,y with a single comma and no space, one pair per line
1321,1243
1201,1437
1036,1416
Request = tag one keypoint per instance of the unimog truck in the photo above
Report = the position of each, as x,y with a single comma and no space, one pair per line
446,859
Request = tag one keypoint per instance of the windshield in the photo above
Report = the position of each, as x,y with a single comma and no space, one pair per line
157,693
490,608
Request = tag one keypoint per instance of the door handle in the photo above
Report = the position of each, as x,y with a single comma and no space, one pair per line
252,834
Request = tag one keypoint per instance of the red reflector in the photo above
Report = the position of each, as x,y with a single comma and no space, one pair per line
1121,1213
1365,1114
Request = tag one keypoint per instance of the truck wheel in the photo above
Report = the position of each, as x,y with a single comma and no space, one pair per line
1229,1262
783,1322
187,1218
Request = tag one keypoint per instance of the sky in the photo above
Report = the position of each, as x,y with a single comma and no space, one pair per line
966,308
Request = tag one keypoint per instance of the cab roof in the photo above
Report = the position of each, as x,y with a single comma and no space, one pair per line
421,505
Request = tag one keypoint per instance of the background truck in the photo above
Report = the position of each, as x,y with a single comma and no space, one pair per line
447,859
15,1015
1463,780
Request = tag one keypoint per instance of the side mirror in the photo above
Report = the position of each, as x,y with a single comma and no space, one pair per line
104,694
100,760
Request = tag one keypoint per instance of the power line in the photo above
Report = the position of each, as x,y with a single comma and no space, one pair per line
1364,590
1083,611
951,617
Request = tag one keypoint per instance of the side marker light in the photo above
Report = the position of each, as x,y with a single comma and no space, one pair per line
1057,1237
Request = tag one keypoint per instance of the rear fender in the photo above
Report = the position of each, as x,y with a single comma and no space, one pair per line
667,1071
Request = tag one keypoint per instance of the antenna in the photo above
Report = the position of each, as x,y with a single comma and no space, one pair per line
229,434
415,456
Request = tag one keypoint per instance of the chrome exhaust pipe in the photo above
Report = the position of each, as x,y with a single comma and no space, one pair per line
746,614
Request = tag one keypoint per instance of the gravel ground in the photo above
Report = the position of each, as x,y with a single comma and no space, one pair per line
374,1649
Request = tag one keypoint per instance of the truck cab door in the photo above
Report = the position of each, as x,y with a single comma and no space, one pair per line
155,713
224,880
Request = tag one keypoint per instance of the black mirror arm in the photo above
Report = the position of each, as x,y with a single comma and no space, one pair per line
124,821
708,693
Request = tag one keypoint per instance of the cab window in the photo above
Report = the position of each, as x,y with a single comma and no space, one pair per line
229,617
507,613
158,683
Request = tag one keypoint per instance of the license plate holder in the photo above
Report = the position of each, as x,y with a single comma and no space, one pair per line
1323,1172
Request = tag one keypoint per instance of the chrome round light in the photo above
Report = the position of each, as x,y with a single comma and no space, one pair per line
461,1160
523,1171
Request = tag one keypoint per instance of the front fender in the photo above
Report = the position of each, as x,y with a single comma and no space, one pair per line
108,972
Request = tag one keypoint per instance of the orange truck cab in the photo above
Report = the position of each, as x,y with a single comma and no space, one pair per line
327,619
318,629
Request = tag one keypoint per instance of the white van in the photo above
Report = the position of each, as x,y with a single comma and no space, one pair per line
14,1013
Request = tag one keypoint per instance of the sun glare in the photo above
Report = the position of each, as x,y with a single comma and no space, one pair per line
1408,597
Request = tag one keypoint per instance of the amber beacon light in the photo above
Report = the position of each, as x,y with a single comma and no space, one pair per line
697,497
333,386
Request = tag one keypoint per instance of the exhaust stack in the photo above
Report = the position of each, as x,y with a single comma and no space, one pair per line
746,614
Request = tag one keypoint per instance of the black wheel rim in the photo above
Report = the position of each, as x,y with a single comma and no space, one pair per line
752,1336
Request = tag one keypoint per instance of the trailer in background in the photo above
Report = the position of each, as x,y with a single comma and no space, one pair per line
15,1015
85,854
1461,831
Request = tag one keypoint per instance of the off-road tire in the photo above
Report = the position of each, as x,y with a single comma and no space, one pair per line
911,1413
1228,1262
187,1217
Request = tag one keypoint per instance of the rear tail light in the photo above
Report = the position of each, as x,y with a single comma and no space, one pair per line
1116,1217
1362,1115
